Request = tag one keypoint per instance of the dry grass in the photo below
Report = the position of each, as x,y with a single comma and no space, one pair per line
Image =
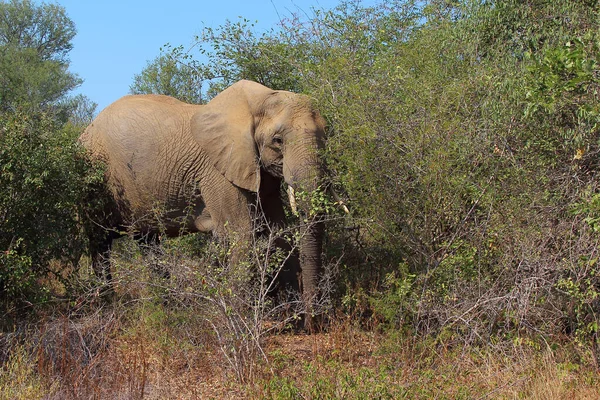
140,346
369,366
144,358
19,377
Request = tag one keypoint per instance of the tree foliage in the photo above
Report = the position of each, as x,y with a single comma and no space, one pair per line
34,44
166,76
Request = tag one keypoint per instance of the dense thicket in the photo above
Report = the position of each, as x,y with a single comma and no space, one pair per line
465,137
44,176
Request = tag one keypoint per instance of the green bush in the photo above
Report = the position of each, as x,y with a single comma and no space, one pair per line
45,179
461,135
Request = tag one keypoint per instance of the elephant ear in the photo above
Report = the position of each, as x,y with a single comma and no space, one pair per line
224,128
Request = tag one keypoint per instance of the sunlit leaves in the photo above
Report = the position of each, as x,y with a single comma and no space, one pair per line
34,43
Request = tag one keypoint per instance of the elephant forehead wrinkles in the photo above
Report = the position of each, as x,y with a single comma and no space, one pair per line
286,106
303,142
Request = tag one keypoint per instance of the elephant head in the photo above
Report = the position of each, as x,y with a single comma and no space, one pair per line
249,128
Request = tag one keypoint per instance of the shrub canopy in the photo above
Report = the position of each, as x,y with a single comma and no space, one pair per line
464,136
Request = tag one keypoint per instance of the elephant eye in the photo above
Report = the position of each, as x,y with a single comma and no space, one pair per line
277,140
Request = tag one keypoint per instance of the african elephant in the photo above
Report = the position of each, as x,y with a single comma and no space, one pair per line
208,164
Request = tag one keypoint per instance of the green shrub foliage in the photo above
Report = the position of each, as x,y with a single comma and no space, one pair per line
464,137
45,179
47,185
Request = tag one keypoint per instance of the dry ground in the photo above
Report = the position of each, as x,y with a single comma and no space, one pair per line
343,363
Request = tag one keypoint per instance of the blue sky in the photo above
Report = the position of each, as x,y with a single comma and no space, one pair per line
116,38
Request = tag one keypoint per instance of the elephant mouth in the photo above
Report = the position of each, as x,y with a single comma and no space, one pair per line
274,169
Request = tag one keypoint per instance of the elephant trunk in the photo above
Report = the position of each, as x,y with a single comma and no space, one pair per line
305,178
311,245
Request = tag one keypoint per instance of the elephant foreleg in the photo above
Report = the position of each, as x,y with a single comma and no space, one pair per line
226,211
288,276
100,255
271,207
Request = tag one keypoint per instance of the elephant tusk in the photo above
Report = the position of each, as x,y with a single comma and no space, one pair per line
338,200
292,197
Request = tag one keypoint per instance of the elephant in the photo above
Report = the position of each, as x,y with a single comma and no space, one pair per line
207,165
